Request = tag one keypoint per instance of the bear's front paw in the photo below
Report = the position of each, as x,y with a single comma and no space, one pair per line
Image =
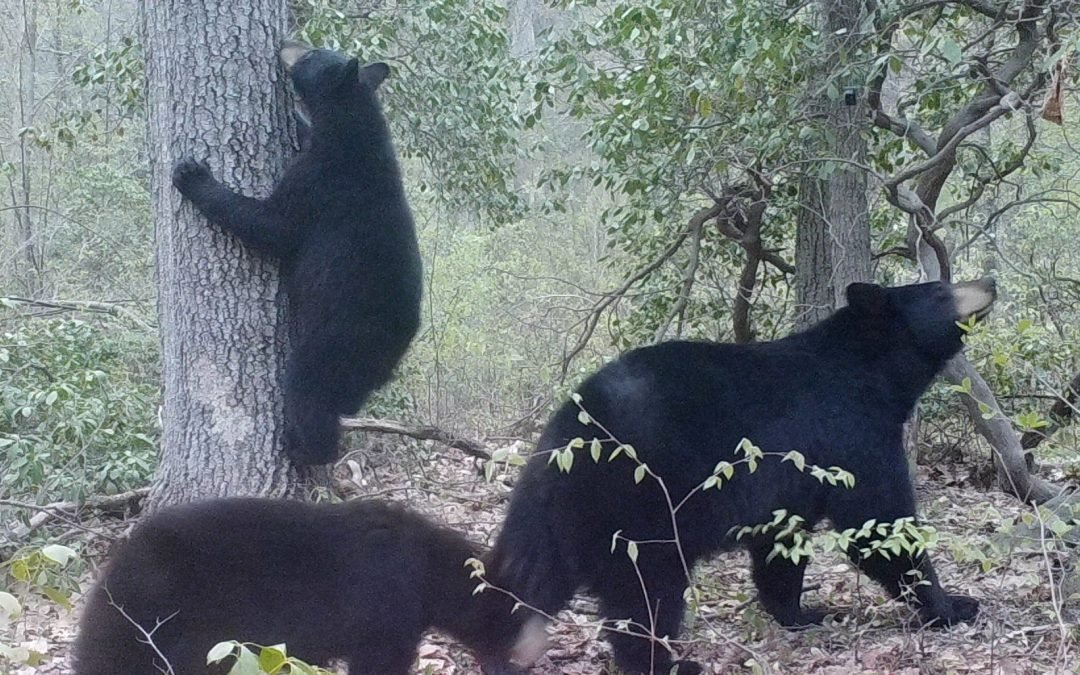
964,608
959,609
187,172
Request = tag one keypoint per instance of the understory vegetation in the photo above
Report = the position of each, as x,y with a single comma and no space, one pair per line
588,176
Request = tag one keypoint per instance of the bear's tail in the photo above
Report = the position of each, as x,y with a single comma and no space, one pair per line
312,433
528,559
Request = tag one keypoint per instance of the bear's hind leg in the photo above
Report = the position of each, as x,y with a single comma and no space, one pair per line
394,657
779,584
622,597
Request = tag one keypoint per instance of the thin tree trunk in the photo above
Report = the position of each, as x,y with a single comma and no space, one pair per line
215,92
28,242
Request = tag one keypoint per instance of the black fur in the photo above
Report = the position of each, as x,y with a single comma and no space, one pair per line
839,393
359,581
340,225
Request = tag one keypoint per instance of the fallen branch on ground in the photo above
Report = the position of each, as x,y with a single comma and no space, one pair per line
423,433
59,510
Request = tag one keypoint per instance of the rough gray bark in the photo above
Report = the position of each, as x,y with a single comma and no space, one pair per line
215,92
832,245
814,295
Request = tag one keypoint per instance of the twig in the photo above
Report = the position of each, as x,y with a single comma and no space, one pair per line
423,433
147,636
56,510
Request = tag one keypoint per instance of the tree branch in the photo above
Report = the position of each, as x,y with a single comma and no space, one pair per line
699,218
1012,471
689,275
423,433
58,510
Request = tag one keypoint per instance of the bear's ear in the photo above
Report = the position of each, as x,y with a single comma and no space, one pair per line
373,74
350,74
868,298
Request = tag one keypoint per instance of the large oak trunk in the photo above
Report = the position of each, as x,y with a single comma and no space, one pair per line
216,93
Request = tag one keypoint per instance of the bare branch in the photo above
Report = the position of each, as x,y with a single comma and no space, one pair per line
999,174
423,433
689,275
699,218
147,636
58,510
945,153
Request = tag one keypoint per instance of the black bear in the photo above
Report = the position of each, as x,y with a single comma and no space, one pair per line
339,223
838,393
360,581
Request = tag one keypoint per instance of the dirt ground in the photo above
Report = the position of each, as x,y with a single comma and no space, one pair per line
1017,631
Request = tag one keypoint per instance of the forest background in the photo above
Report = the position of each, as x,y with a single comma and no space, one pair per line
586,177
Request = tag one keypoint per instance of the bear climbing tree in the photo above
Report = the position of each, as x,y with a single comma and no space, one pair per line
218,93
838,394
340,225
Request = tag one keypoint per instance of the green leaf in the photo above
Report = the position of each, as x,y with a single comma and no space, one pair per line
795,458
19,570
58,596
639,473
220,651
584,418
631,551
246,663
9,607
595,449
62,555
951,51
272,658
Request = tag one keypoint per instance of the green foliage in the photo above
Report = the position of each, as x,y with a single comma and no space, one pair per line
452,101
889,540
77,408
47,571
666,129
250,659
114,75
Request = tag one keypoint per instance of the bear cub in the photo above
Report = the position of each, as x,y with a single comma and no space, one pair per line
339,224
839,393
360,581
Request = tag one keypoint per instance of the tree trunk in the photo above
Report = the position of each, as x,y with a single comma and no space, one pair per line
832,244
215,92
29,262
814,296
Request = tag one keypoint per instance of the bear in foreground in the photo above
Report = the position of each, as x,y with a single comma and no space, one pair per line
339,223
360,581
839,393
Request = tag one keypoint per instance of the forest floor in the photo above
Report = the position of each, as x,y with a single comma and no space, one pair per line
1017,631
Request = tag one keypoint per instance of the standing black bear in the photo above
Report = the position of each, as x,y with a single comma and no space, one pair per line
839,393
361,581
339,223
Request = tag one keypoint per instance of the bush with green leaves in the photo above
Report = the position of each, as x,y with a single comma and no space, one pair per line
78,405
252,659
49,571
